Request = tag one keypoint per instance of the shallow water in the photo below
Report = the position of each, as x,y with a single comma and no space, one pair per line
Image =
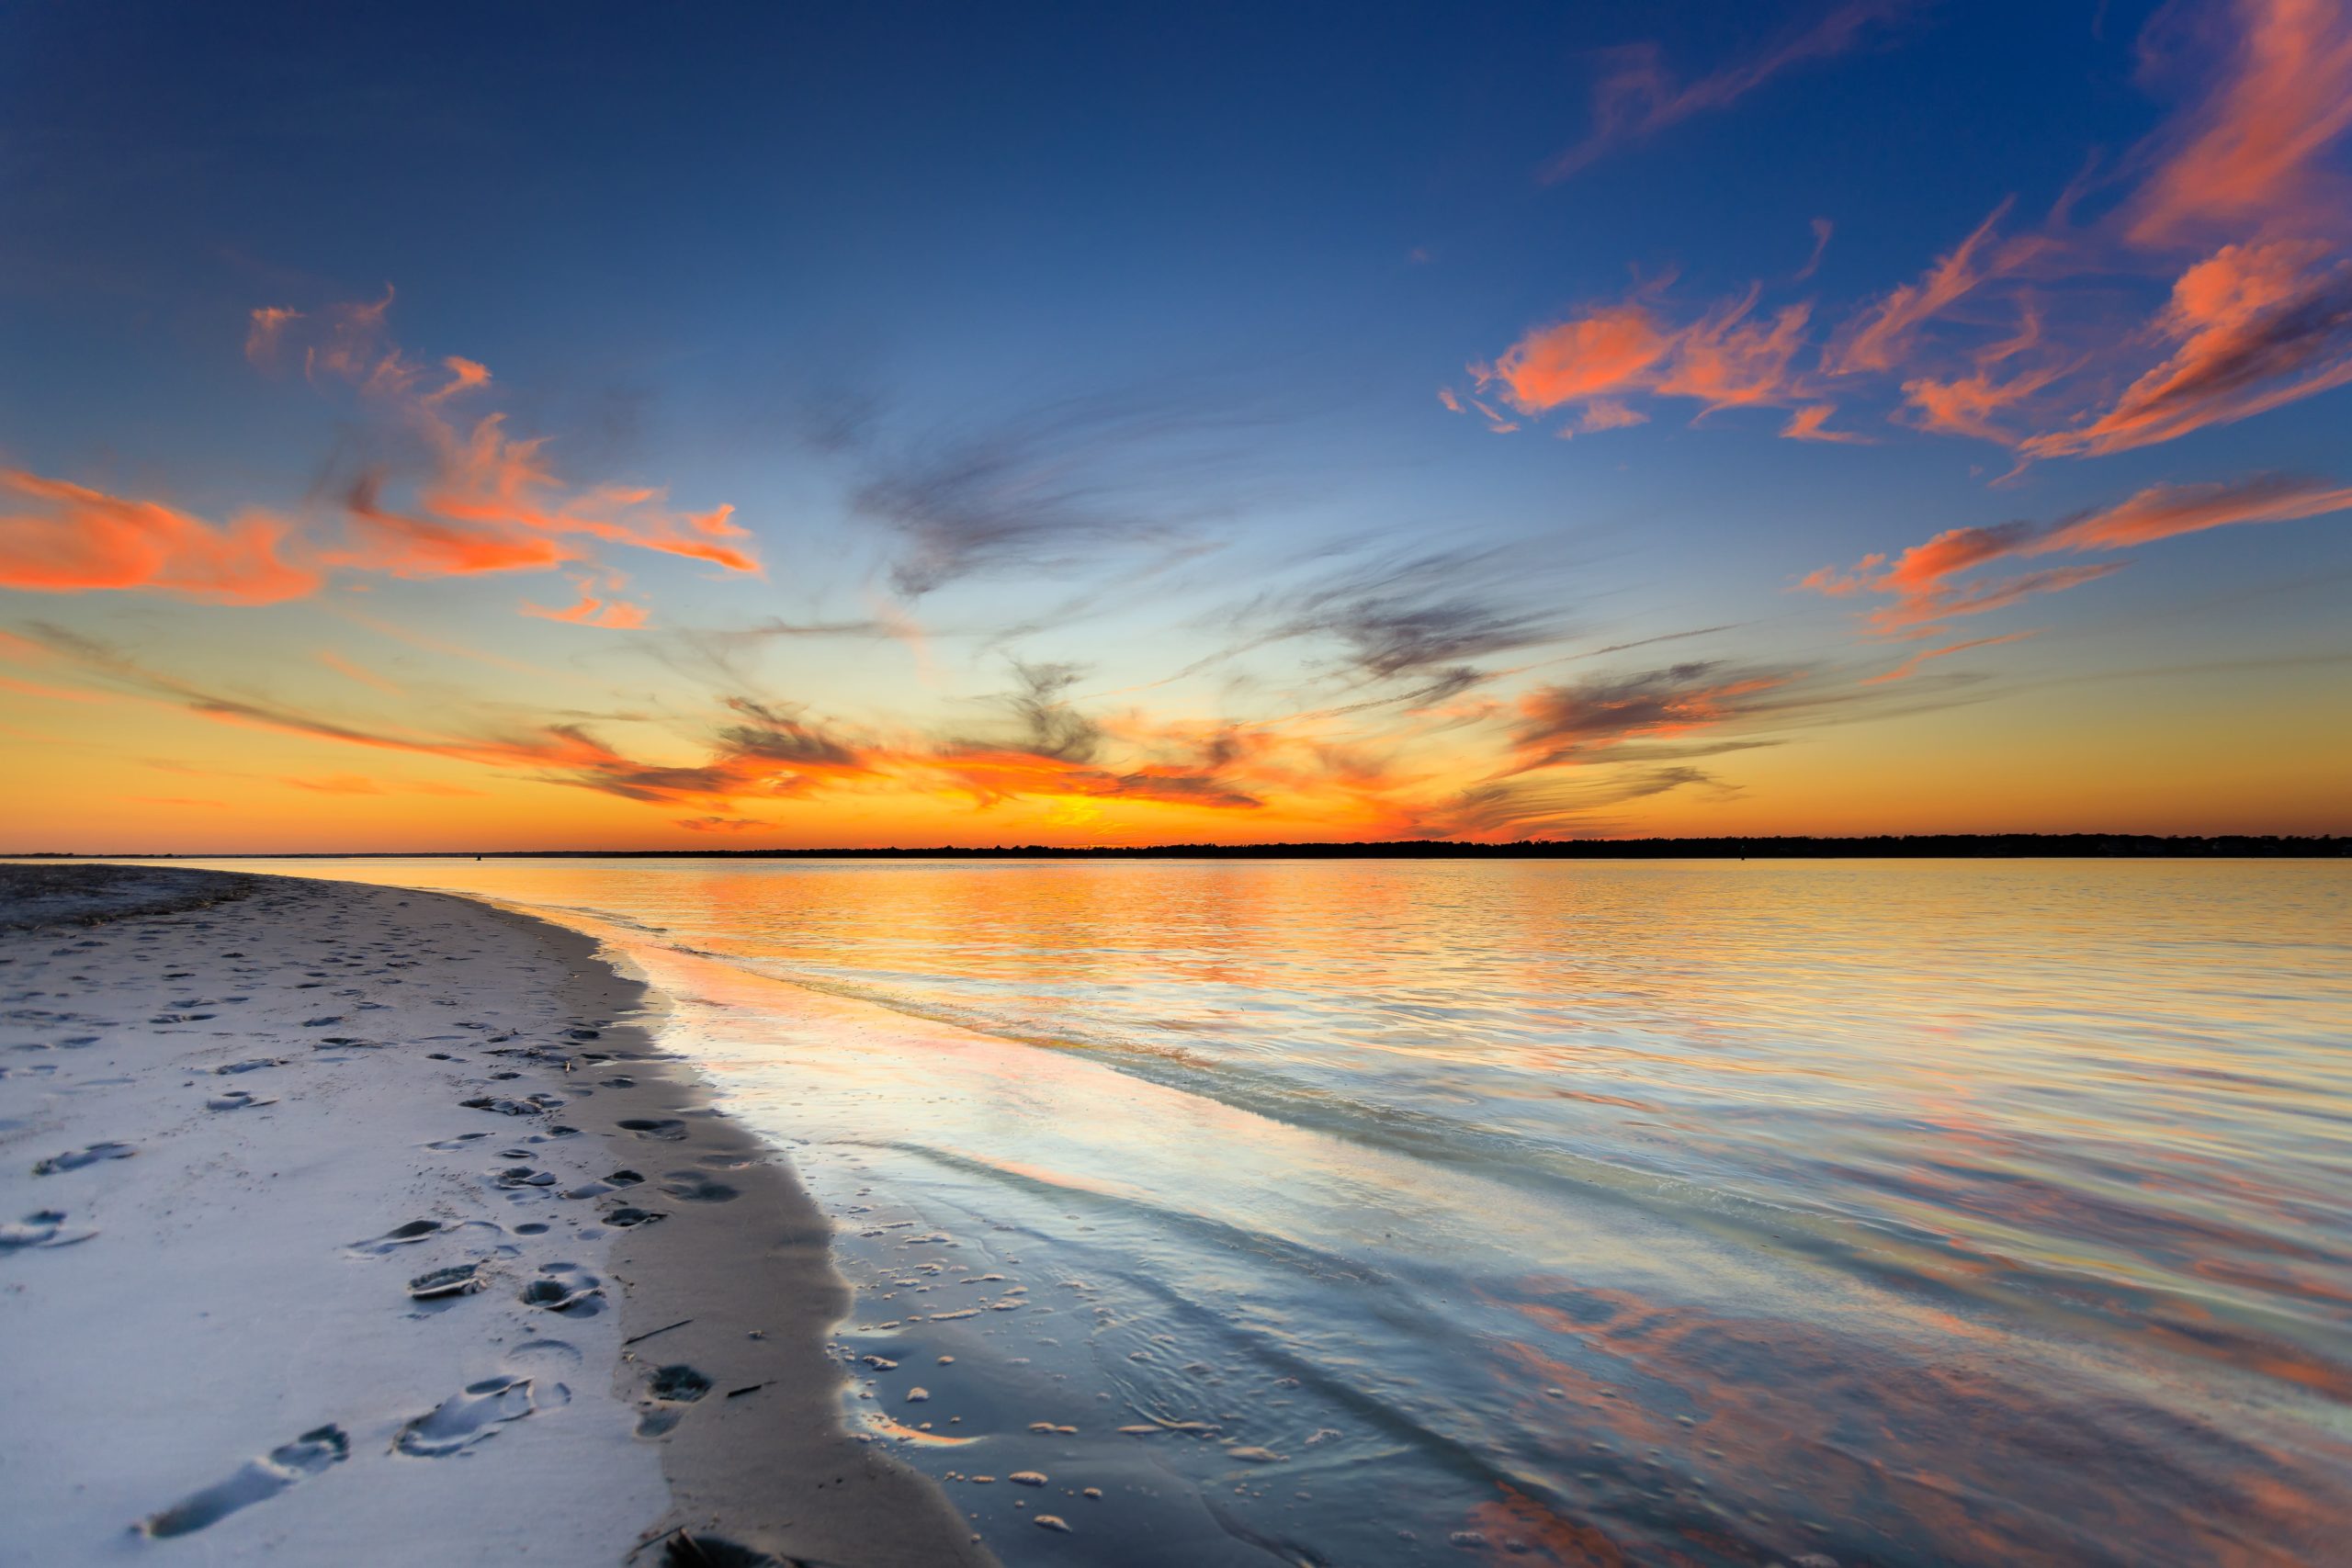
1715,1213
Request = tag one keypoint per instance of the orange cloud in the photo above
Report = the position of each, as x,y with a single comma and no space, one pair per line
1591,362
2252,157
1807,423
2262,322
486,479
1831,580
465,376
1607,350
268,323
1881,337
406,545
589,611
2164,511
1724,361
1457,403
1965,405
2256,326
487,503
1921,611
1922,578
1910,666
1953,551
69,539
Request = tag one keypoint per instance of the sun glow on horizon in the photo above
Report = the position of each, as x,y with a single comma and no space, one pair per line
2010,501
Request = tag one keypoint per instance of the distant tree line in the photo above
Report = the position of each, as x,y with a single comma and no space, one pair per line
1906,846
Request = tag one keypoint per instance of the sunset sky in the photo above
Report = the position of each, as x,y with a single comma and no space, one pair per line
810,425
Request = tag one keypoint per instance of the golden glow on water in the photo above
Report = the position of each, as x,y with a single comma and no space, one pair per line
1707,1212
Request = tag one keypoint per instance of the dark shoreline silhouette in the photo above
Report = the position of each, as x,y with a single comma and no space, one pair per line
1910,846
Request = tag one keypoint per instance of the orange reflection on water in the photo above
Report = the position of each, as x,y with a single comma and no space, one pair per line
1970,1212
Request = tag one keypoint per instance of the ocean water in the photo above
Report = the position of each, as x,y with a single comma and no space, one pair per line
1688,1213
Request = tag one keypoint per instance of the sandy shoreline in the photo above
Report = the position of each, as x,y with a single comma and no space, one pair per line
233,1139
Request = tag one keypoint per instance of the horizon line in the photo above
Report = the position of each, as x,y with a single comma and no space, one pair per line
2023,845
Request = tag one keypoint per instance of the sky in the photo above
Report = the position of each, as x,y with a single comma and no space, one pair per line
586,426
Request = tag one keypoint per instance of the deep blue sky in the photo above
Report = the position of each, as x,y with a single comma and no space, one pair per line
1191,279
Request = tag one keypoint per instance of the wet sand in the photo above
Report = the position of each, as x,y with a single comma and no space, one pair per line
358,1225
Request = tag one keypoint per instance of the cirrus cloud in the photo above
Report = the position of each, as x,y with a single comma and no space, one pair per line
1923,582
61,537
481,500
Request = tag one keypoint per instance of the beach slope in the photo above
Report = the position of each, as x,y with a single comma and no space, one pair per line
342,1223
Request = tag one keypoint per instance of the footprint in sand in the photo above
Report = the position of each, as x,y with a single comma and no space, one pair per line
43,1227
688,1550
473,1416
564,1288
612,1183
235,1099
256,1064
459,1280
669,1129
667,1394
80,1157
542,1359
399,1235
537,1105
630,1214
694,1187
414,1232
257,1482
524,1176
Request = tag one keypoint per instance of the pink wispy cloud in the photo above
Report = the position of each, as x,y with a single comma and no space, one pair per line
2253,327
2250,159
61,537
2238,206
1589,366
1910,666
1924,586
1637,97
484,500
616,614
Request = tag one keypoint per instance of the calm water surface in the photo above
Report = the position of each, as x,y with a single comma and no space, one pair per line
1709,1213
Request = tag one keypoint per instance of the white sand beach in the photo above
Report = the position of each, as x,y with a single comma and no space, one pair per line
363,1226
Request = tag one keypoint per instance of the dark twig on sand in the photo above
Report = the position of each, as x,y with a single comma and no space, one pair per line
651,1332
